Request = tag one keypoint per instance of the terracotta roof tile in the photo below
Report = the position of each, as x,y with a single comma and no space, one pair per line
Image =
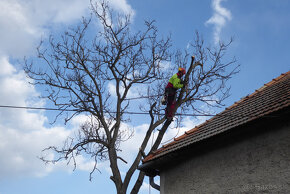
271,97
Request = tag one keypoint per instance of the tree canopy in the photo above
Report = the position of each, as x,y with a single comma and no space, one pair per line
95,73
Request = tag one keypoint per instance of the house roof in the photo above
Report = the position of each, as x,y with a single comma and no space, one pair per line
270,98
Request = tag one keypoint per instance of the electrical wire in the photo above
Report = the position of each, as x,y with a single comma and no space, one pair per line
141,97
125,112
73,110
35,108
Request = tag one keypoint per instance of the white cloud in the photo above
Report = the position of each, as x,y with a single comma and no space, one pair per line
6,67
24,22
23,134
132,93
20,148
187,124
17,35
123,6
15,90
131,146
220,17
165,65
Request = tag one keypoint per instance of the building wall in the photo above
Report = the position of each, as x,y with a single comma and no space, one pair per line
256,164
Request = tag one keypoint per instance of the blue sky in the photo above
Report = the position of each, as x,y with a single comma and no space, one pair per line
260,29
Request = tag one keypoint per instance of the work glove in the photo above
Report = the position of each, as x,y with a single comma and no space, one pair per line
183,82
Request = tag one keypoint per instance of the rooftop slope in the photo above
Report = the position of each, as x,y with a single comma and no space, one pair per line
272,97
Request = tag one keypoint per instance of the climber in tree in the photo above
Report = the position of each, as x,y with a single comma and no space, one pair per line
175,83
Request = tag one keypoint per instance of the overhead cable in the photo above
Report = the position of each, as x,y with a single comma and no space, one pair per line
124,112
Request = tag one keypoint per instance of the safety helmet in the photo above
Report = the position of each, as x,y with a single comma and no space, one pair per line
182,70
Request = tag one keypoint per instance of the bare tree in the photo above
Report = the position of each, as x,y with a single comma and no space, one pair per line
79,66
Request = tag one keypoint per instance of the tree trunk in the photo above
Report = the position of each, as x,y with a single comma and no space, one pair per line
138,183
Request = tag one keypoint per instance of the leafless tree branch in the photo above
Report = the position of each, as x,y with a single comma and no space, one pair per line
79,69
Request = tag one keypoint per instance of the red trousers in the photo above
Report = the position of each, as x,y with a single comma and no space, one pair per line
170,106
